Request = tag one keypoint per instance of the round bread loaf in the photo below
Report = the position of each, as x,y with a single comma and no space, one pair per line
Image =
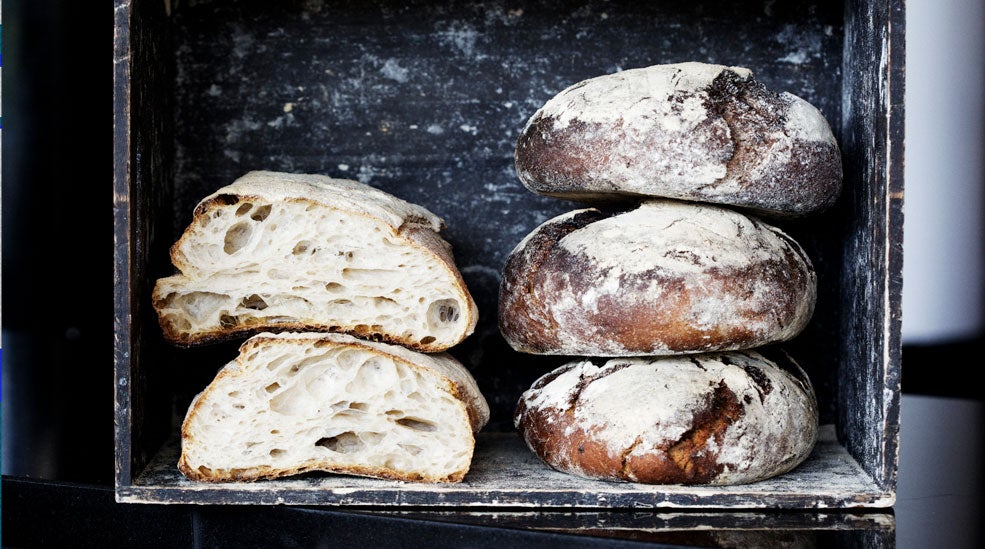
690,131
719,418
666,278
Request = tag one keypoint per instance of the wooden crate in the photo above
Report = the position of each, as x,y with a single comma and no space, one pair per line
425,100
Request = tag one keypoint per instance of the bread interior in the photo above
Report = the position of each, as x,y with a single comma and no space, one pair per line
283,409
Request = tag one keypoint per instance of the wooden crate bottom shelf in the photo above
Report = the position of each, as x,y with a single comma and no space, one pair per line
505,474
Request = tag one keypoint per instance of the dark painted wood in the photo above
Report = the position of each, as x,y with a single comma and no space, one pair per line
143,175
505,473
871,282
424,100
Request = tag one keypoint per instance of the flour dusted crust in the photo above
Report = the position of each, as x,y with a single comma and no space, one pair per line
719,418
303,252
666,278
690,131
297,402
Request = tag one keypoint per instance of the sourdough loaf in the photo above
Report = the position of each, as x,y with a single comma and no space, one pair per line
668,277
278,251
718,418
691,131
295,402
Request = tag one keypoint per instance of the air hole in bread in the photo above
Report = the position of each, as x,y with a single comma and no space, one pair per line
197,305
254,302
427,340
334,287
303,247
243,209
341,443
180,322
441,312
371,439
411,449
272,387
416,424
227,320
276,363
260,213
237,237
362,406
276,452
360,275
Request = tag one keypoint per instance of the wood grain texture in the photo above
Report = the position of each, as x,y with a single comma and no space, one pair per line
143,164
871,283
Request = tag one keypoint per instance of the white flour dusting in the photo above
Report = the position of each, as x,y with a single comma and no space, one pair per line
640,96
674,237
648,405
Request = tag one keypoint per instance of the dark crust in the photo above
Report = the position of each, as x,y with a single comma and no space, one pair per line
520,310
578,161
780,358
632,322
688,460
809,182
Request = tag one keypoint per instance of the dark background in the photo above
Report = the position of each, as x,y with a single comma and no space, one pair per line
57,240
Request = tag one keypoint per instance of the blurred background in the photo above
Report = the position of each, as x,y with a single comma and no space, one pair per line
57,253
944,204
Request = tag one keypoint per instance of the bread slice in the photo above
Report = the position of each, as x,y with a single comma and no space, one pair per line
297,402
277,252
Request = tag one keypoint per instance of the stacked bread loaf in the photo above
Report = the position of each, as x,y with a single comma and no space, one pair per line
672,290
350,298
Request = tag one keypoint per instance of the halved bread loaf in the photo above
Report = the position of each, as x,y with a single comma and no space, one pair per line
297,402
276,251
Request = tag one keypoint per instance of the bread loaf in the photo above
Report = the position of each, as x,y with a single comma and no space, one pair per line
720,418
277,251
297,402
668,277
690,131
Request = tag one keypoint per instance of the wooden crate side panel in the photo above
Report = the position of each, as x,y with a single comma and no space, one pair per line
869,380
143,158
121,242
